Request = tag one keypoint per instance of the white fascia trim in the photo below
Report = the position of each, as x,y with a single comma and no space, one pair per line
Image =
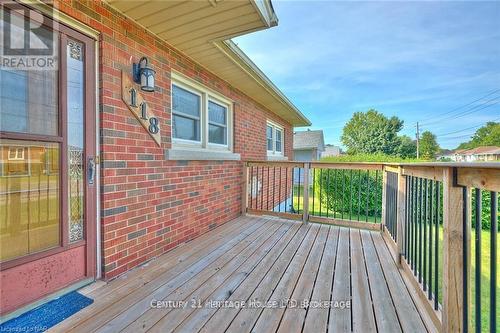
266,12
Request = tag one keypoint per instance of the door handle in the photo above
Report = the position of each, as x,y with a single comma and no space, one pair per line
91,170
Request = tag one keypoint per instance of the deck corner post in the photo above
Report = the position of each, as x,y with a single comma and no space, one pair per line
456,300
305,212
244,189
401,213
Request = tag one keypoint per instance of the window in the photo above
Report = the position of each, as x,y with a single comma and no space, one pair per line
186,109
274,138
269,135
16,154
217,123
278,140
201,118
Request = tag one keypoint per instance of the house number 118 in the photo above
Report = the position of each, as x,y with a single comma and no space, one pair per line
153,127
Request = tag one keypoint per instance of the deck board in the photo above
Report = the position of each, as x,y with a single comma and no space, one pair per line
259,259
363,318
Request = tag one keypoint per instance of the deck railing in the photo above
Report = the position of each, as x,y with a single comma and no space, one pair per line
426,212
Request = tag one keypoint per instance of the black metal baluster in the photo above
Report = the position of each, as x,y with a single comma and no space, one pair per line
321,191
268,186
465,258
391,204
407,212
493,261
477,275
251,186
394,205
292,190
436,246
274,188
343,192
410,212
415,212
424,222
298,193
388,202
262,189
286,187
367,193
314,192
350,195
376,195
431,210
420,231
359,193
334,202
279,192
328,187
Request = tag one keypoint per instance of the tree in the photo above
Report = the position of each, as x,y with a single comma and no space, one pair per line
407,147
488,135
428,145
371,132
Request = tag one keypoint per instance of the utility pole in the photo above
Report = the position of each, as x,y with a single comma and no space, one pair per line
418,141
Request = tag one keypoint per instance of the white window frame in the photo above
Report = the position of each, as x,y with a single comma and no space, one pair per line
206,95
18,153
275,128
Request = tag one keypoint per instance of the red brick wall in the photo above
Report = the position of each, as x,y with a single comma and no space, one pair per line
151,205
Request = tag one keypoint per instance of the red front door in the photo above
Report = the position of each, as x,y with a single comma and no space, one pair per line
47,149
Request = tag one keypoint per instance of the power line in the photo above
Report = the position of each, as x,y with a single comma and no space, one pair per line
476,108
463,106
457,137
464,129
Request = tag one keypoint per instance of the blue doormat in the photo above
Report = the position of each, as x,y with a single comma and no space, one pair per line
47,315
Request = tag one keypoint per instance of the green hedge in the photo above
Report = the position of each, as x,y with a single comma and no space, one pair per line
345,191
485,210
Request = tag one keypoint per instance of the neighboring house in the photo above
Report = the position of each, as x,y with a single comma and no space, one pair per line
331,150
308,145
479,154
159,163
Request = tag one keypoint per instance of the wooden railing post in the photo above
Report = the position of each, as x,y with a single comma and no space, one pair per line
305,212
244,189
456,302
401,213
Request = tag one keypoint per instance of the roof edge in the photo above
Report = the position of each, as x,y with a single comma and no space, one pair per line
238,56
266,12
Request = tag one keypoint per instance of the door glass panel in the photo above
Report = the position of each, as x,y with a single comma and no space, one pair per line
29,197
76,183
29,98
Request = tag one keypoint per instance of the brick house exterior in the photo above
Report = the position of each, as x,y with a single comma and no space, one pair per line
148,203
151,205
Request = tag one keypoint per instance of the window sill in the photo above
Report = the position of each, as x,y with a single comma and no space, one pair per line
177,154
277,158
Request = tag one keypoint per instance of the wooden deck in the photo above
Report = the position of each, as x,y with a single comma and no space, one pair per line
262,262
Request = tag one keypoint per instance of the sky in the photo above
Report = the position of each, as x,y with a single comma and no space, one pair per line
436,63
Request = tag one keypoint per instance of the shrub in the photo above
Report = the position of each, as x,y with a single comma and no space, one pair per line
345,191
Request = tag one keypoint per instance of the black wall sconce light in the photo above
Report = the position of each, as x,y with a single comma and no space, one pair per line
144,75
